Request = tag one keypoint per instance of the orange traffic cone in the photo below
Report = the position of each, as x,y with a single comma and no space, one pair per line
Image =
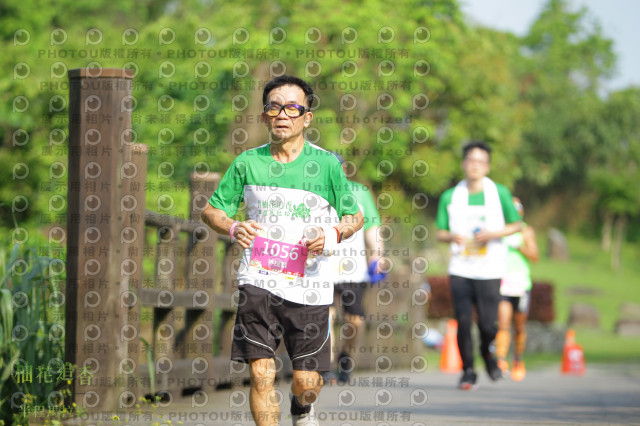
450,361
572,355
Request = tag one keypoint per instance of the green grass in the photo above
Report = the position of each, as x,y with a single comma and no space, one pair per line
31,340
588,268
607,347
533,361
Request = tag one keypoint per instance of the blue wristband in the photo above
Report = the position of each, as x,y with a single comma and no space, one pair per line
375,277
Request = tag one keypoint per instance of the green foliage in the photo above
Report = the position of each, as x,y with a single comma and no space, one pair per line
589,268
565,58
421,86
406,85
31,331
150,365
615,170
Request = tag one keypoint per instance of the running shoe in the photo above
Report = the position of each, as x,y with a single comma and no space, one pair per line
495,373
518,372
468,380
305,415
503,365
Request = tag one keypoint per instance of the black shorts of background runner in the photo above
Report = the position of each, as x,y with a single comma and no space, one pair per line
264,319
351,297
519,303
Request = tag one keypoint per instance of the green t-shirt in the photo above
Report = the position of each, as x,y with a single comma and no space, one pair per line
352,266
367,205
517,263
315,171
506,200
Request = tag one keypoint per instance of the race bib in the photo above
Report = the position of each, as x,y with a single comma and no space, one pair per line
278,257
513,285
473,248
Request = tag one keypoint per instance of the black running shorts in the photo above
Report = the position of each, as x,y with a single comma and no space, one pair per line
519,303
351,297
264,319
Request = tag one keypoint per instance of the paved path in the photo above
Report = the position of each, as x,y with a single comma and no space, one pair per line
604,395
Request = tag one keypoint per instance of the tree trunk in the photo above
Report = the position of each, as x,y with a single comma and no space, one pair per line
620,225
249,132
607,227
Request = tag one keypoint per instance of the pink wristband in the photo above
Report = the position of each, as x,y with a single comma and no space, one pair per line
233,228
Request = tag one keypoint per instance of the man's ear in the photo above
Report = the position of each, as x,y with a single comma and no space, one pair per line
308,117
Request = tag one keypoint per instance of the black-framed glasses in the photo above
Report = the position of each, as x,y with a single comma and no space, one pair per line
292,110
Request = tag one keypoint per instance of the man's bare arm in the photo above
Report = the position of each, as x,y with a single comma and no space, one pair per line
218,220
446,236
530,247
485,236
373,242
349,225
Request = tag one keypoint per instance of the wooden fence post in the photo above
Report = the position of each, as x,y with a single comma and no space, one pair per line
99,119
202,273
133,175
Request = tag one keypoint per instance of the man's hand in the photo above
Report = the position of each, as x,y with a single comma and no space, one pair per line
314,240
378,270
458,239
447,237
483,236
245,232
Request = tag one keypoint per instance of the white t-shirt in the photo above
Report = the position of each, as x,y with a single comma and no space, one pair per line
286,199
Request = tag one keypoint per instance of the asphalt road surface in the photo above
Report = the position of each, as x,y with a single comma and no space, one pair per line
604,395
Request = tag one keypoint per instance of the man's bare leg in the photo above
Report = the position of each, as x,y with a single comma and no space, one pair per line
262,397
306,386
503,337
350,341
